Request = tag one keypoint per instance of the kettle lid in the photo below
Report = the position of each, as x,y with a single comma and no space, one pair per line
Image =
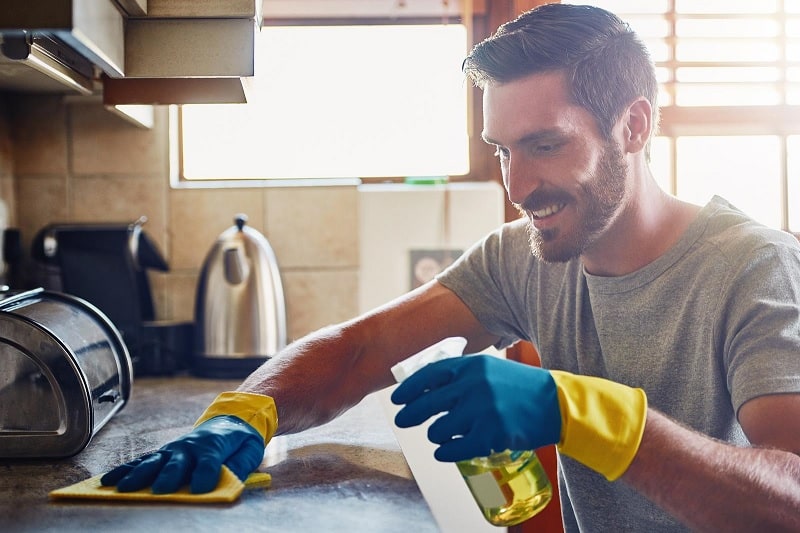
240,220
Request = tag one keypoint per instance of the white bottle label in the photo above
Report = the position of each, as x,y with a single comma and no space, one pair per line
485,489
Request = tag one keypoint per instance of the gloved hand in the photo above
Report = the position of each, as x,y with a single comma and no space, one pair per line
233,431
492,404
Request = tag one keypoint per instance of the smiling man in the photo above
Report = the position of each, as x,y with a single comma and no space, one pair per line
571,185
669,333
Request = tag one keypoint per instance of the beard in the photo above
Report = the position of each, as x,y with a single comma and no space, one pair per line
602,194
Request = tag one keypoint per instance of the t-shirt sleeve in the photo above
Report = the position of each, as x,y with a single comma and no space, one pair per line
483,278
761,324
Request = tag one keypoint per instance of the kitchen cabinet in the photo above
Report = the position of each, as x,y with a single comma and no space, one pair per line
186,51
180,38
133,7
365,9
204,8
197,47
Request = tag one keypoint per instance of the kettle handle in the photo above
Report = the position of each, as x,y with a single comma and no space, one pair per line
234,265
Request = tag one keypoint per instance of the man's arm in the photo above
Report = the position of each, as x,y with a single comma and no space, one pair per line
308,384
713,486
322,375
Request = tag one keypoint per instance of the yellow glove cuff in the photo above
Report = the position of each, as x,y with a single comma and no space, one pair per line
602,422
255,409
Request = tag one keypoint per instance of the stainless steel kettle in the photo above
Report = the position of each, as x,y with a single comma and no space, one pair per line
240,313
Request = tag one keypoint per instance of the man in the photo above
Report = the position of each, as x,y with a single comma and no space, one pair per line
671,332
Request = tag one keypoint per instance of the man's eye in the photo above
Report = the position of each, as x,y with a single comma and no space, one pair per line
501,153
547,148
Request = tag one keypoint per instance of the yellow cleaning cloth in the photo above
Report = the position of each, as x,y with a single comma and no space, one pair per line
228,490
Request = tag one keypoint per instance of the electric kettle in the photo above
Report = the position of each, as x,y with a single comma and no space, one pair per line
240,314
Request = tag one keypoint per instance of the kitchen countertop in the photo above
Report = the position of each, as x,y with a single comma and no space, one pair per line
348,475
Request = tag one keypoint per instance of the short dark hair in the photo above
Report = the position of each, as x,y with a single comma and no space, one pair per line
606,64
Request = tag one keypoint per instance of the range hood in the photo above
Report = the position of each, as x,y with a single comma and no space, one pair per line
136,51
38,62
60,41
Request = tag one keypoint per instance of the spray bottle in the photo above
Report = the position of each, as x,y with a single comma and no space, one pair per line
509,486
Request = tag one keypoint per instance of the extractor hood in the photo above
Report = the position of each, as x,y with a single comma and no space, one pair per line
150,51
38,62
66,41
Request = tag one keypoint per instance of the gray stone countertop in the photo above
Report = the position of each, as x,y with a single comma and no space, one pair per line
348,475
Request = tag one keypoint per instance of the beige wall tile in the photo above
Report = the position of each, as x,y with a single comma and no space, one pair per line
40,201
119,172
7,193
121,199
39,134
181,289
103,143
313,226
9,196
198,216
158,290
315,299
6,155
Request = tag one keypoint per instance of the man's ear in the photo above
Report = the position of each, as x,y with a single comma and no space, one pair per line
637,125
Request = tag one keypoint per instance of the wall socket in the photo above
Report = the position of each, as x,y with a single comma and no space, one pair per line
425,264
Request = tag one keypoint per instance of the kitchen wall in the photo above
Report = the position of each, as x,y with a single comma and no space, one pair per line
7,196
70,161
410,233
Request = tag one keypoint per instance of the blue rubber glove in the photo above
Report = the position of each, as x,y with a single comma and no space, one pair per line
236,440
490,405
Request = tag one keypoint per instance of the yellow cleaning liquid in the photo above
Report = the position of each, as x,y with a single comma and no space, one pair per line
509,486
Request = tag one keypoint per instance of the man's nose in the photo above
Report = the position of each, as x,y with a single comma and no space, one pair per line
520,181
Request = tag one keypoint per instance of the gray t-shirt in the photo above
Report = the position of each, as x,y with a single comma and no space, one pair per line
712,323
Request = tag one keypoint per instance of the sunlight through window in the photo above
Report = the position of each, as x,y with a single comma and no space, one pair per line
340,101
729,73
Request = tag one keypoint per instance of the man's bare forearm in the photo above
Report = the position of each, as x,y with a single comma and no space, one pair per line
712,486
311,380
322,375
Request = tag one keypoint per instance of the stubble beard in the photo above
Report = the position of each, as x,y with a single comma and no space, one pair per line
603,195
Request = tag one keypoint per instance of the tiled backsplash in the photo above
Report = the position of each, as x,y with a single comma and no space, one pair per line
77,162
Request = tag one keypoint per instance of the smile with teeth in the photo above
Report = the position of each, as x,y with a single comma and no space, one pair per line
548,210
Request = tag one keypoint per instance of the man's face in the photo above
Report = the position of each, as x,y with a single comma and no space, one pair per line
558,170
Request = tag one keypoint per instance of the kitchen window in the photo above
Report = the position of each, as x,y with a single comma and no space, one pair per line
729,72
332,103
